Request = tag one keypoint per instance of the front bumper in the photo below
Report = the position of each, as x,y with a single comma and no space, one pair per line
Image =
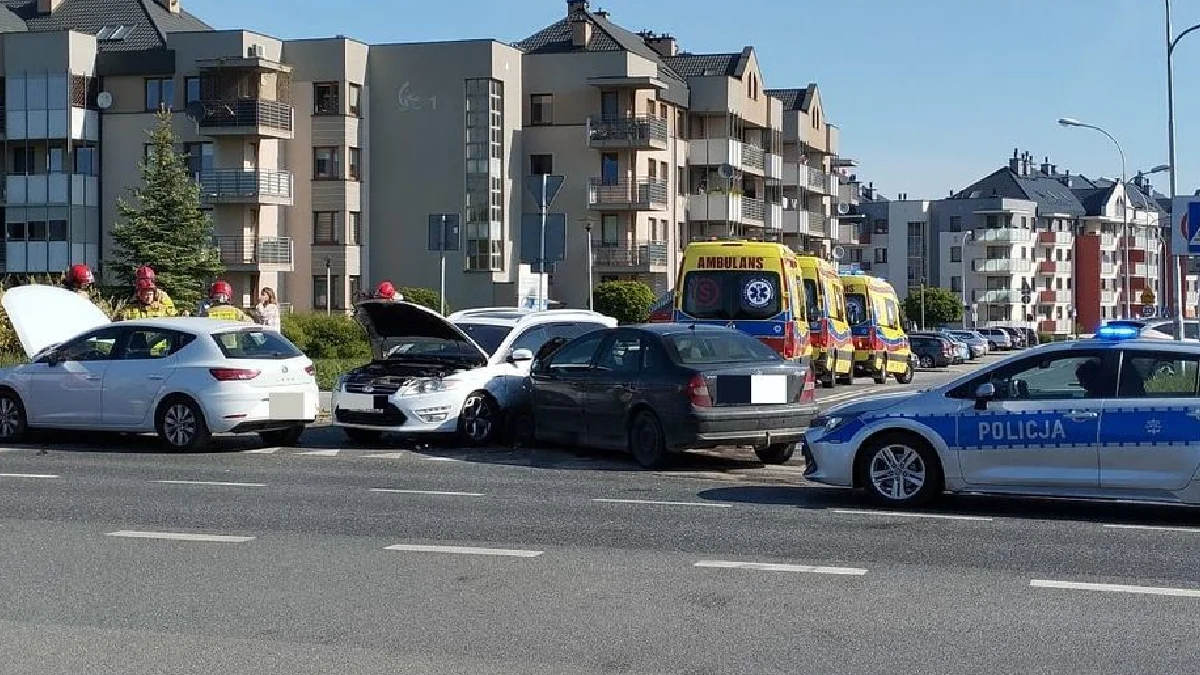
433,413
238,408
826,462
752,425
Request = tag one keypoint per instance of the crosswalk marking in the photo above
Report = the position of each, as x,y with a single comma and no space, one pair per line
262,451
388,455
321,453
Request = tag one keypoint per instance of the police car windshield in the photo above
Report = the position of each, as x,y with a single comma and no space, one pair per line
485,335
856,309
729,295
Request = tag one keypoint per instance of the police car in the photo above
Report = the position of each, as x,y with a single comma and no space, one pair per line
1116,416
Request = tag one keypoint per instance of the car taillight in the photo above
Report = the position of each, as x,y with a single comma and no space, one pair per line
808,393
698,392
233,374
947,349
310,369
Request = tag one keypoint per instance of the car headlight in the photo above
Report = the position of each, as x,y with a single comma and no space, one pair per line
827,423
430,385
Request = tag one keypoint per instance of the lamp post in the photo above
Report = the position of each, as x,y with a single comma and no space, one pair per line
587,228
962,257
1163,249
1070,122
1172,41
328,286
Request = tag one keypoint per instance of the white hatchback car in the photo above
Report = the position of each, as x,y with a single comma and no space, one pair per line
184,378
446,375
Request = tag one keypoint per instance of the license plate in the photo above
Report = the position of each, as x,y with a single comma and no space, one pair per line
288,406
357,402
752,389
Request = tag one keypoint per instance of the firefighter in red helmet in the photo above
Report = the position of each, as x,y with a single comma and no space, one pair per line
219,295
145,304
387,291
146,272
80,279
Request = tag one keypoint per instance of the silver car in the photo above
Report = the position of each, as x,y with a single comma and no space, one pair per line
1113,417
997,339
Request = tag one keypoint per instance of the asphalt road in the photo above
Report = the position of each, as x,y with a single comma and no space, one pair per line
324,559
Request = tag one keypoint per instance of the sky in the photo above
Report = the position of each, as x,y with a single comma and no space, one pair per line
929,95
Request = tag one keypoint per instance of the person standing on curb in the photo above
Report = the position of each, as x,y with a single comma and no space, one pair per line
267,310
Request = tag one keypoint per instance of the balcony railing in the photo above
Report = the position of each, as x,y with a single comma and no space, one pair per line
243,251
1003,235
818,180
997,295
246,113
1053,237
753,157
633,254
218,184
1001,265
646,193
622,131
1108,269
753,209
1052,296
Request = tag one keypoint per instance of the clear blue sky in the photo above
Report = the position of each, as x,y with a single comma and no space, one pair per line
929,94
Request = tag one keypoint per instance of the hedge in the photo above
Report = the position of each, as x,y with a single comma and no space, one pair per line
626,301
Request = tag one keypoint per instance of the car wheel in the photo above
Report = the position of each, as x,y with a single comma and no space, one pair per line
13,422
881,375
181,425
848,378
362,436
778,453
477,421
283,438
926,361
647,443
899,470
907,376
830,378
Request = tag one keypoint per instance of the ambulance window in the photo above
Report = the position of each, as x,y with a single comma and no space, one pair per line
836,303
731,295
891,313
812,299
857,311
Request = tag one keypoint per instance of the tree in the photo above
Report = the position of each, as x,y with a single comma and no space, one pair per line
625,301
941,306
425,297
165,227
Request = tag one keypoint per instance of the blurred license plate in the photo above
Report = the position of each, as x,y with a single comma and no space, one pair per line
358,402
752,389
288,406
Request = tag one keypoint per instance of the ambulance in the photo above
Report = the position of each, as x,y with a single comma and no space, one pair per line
748,285
829,333
881,346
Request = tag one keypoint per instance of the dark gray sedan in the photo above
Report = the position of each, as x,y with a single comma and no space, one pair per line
660,388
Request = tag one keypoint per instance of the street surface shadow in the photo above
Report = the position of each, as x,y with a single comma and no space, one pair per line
1023,508
137,444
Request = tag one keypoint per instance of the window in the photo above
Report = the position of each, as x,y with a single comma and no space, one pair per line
255,343
57,230
1064,376
622,355
100,345
576,356
541,164
541,109
55,154
37,230
355,100
956,223
325,163
485,335
14,231
325,98
881,255
484,248
881,227
199,157
191,86
1158,375
610,230
355,228
532,339
85,161
731,295
147,343
700,347
325,229
956,284
24,160
956,254
354,167
322,284
160,93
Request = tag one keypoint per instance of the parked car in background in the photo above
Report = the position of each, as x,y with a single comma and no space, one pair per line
959,352
1017,337
660,388
931,351
1031,337
1160,328
976,342
998,340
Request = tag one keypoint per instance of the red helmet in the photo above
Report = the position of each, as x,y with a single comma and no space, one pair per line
220,287
145,272
144,285
385,290
81,274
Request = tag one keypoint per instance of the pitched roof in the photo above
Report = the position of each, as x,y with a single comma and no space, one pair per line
1050,195
794,99
711,65
148,22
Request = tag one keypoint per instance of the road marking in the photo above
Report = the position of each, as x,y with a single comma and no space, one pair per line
262,451
29,475
445,493
1117,588
657,503
182,536
321,453
441,459
464,550
210,483
781,567
1161,528
904,514
387,455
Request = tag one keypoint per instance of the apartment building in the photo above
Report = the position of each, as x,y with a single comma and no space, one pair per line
888,238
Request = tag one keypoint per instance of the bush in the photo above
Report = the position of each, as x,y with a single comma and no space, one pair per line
322,336
626,301
329,370
425,297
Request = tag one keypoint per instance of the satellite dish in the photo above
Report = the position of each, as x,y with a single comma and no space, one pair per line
104,100
195,111
725,171
843,208
838,252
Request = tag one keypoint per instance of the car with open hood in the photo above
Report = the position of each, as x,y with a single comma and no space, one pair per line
183,378
431,374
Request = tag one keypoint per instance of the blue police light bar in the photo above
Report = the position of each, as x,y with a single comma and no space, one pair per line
1116,332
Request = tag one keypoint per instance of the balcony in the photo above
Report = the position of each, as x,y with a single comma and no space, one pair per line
997,296
753,210
1108,240
639,132
715,152
637,194
850,193
1053,266
774,216
247,117
1135,242
51,189
1003,235
251,253
1048,237
1055,326
246,186
1007,265
643,256
754,158
1108,297
1052,296
853,236
1108,269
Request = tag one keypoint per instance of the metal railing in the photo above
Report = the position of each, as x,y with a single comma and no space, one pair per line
237,183
754,157
247,113
235,250
633,130
997,295
1001,265
642,191
1008,235
632,254
753,209
817,179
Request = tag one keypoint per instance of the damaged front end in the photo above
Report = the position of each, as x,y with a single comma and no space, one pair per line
392,377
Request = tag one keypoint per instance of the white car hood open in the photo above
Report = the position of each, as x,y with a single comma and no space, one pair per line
387,319
48,315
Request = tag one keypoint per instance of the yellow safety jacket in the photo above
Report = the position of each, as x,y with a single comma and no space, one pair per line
227,313
135,311
160,298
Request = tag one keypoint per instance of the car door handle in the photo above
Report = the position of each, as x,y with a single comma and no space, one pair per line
91,378
154,377
1081,415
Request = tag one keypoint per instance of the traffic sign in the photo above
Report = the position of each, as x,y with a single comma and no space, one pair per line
1026,299
1148,311
531,240
1147,296
443,232
544,188
1185,225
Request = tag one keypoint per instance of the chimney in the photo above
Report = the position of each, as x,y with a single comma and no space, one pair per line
1047,167
581,32
602,13
574,6
48,6
171,6
1014,164
664,44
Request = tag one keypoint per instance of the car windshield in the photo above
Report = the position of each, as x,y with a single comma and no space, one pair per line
255,344
727,295
696,348
416,348
486,335
856,309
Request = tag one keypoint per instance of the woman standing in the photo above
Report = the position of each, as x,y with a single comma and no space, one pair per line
267,310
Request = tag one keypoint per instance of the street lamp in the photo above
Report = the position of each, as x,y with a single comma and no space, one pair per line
1172,41
1164,266
962,256
1071,122
586,221
328,286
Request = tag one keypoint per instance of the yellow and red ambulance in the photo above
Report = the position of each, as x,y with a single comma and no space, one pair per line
881,346
825,307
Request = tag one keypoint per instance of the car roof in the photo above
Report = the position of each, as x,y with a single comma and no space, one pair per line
191,324
676,328
1149,344
516,316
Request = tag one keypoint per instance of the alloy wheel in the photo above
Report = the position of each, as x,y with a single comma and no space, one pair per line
179,425
897,472
478,418
11,419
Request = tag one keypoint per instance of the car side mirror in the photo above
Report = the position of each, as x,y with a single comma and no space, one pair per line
984,393
521,356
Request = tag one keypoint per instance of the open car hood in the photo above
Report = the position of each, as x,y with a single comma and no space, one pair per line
390,320
48,315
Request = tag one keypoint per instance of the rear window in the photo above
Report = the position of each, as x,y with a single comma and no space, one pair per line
255,344
697,348
857,313
812,299
731,295
485,335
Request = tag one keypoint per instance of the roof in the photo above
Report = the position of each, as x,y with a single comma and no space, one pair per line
195,324
795,99
676,328
711,65
1050,195
148,22
512,316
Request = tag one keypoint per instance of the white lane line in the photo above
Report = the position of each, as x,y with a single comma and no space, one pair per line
29,475
320,453
658,503
441,459
388,455
464,550
182,536
1160,528
210,483
444,493
904,514
1116,588
781,567
262,451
